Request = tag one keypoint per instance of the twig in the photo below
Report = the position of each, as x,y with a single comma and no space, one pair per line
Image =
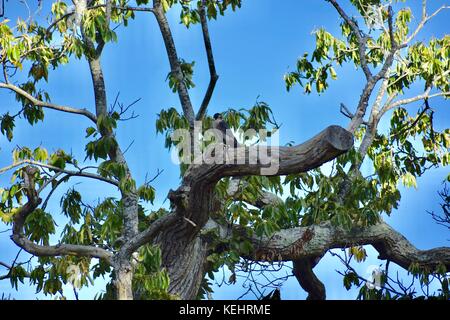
72,173
48,105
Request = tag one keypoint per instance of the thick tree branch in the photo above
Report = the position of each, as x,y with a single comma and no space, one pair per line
129,197
256,160
23,242
61,249
303,271
174,61
193,198
48,105
211,64
148,235
312,241
297,243
264,199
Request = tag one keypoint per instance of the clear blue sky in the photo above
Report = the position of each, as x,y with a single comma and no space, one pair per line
253,49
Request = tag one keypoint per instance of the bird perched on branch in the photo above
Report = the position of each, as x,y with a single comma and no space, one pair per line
227,136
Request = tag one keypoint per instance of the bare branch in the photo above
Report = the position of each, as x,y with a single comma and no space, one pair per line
124,109
79,173
174,61
158,173
425,19
424,9
211,64
48,105
443,219
344,110
391,27
54,187
425,95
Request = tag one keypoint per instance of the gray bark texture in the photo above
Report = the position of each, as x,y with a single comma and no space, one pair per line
183,250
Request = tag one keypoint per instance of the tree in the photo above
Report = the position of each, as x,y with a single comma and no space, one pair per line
238,213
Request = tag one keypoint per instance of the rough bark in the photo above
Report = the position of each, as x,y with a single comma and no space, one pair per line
124,280
183,250
185,261
302,242
194,201
129,198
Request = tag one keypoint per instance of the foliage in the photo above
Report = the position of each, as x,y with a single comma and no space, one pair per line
401,154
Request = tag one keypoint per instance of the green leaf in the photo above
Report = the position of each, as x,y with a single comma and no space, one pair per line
350,279
147,193
409,180
90,131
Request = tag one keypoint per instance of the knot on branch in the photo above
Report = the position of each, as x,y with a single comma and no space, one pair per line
295,249
179,198
298,246
29,173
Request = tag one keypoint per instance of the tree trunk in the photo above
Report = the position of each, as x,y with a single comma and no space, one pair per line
183,251
184,259
124,280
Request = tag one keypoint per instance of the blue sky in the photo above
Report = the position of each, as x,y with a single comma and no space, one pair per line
254,47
